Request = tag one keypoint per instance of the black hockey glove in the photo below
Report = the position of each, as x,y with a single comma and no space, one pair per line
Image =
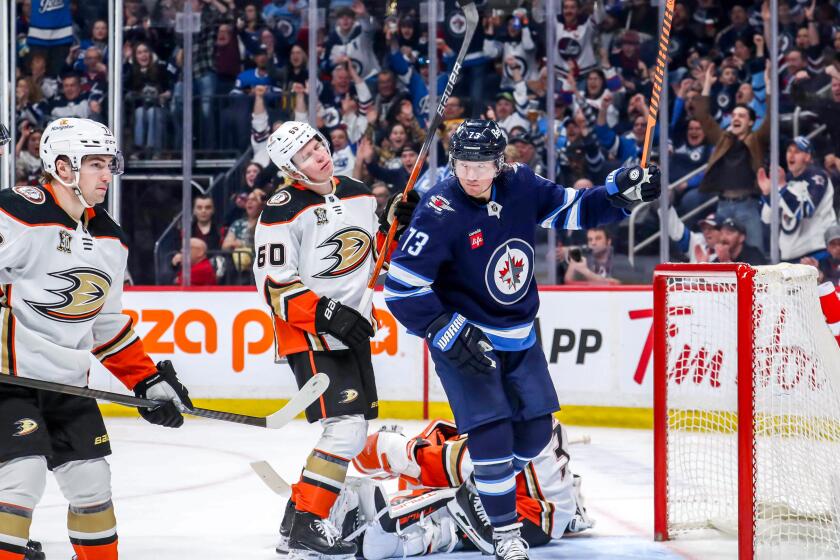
164,386
627,186
398,209
462,343
342,322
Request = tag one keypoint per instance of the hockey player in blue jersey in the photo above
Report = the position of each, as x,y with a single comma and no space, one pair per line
463,278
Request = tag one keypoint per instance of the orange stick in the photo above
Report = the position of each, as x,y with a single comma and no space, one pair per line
658,77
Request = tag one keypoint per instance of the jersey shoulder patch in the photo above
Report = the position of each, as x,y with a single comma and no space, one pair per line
287,203
348,187
33,206
103,225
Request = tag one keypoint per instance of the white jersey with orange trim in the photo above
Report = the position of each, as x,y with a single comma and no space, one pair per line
61,284
309,246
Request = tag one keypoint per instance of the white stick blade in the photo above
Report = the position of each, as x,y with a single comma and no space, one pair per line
310,392
271,479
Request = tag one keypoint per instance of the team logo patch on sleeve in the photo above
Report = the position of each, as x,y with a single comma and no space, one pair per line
32,194
81,300
510,271
350,248
439,204
280,198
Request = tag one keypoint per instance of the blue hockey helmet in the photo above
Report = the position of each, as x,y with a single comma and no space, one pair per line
478,140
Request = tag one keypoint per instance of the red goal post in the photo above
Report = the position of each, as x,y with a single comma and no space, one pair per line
746,407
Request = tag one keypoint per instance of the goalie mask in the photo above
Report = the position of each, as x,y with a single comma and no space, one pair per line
75,139
288,140
4,135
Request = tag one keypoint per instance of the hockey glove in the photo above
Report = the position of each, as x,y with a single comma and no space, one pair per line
342,322
462,343
400,210
164,386
627,186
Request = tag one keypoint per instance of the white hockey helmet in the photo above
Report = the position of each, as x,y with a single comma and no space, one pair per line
286,141
75,139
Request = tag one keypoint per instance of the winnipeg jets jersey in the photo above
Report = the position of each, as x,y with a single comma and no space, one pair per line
61,285
477,259
308,246
807,210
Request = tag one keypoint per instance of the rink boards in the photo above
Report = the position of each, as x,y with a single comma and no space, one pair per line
598,344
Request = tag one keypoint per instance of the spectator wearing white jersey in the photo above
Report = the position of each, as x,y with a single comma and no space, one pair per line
698,246
806,203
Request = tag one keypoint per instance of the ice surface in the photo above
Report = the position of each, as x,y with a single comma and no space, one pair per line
189,494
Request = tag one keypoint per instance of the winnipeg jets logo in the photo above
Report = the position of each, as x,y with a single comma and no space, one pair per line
81,300
439,204
510,271
25,426
349,249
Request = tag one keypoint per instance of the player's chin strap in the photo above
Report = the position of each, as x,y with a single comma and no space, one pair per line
74,186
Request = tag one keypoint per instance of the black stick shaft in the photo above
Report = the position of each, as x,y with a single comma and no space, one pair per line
126,400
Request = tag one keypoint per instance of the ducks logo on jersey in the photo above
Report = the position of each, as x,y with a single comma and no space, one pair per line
81,300
350,249
509,271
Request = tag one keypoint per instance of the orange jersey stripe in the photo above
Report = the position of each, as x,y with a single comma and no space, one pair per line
131,364
99,552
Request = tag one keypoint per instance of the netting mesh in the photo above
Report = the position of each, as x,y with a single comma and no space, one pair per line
796,396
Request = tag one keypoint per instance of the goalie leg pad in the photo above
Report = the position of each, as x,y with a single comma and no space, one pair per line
22,483
388,452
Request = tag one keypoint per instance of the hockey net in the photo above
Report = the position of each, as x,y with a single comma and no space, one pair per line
747,409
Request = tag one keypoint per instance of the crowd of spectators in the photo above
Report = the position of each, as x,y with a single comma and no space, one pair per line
250,74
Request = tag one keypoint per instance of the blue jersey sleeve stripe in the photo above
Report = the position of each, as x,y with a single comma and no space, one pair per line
569,197
391,295
407,277
572,220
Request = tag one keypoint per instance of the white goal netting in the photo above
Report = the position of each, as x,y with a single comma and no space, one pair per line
796,402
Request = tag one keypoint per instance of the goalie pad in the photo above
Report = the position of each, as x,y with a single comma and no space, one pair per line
389,453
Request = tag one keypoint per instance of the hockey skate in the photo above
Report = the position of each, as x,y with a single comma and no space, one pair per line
313,538
285,528
33,551
509,543
469,515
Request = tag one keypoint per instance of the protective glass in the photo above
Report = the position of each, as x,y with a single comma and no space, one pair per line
475,170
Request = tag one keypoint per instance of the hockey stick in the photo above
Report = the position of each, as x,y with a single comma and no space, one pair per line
313,389
658,76
279,486
471,15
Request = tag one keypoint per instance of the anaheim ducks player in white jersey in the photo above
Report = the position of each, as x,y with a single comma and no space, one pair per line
62,266
548,498
316,244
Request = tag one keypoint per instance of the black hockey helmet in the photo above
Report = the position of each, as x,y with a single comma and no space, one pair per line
478,140
4,134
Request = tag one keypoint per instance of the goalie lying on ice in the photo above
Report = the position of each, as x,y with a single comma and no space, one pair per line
437,509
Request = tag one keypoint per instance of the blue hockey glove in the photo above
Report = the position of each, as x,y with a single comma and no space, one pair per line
627,186
462,343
